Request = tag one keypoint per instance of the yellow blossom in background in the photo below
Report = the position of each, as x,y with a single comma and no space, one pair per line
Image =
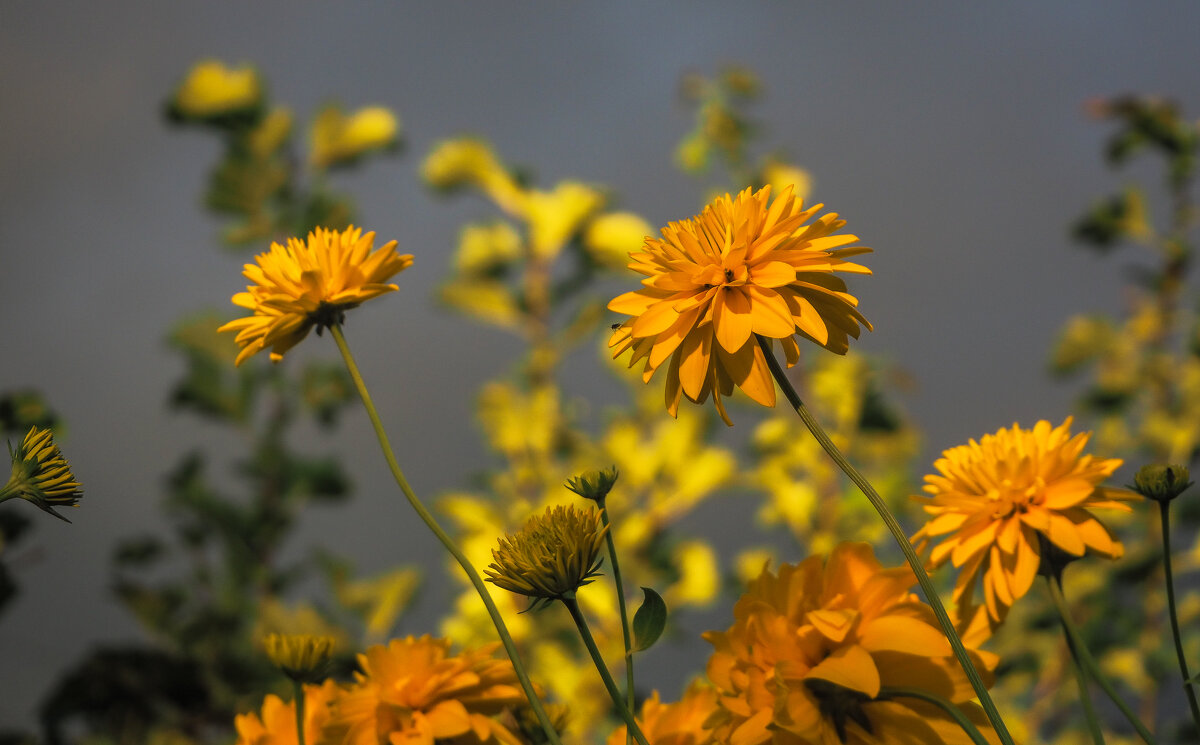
339,138
310,283
745,267
995,501
483,248
414,691
554,216
212,90
556,553
41,475
271,133
813,648
454,163
779,175
300,656
302,619
276,724
679,723
699,575
610,238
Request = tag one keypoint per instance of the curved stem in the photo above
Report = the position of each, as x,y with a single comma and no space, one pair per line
957,714
1085,696
613,692
299,697
1189,688
476,581
616,567
1079,648
914,561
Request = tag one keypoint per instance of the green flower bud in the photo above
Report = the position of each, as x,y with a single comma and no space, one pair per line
1161,482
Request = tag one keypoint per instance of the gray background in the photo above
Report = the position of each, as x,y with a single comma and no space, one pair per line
952,136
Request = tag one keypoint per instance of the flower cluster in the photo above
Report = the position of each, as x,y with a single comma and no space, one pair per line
1000,503
744,268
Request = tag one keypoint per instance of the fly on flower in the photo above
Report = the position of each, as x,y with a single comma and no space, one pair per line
746,267
310,283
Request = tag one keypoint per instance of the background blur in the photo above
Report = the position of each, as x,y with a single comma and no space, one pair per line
955,141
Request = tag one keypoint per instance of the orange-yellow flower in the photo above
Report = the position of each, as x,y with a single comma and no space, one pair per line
277,724
680,723
817,650
414,691
310,283
740,269
992,499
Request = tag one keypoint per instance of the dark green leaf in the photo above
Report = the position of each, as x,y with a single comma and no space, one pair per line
649,621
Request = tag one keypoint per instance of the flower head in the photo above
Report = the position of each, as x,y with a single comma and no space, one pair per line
41,474
594,485
743,268
814,647
679,723
556,553
1162,482
992,499
300,656
339,138
310,283
277,723
414,691
211,90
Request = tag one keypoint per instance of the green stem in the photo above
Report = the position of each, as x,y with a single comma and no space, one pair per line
1188,687
914,561
616,567
1085,696
957,714
1079,648
476,581
613,692
298,687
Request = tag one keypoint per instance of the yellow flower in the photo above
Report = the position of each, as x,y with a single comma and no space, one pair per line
556,553
680,723
41,474
413,691
814,649
313,283
301,657
338,138
277,723
993,502
453,163
740,269
213,90
612,237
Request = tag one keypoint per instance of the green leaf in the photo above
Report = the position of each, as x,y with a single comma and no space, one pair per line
649,621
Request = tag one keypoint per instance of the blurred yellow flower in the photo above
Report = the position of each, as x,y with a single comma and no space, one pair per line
612,237
556,553
815,647
453,163
414,691
338,138
41,475
310,283
679,723
301,657
779,175
212,90
277,723
554,216
993,501
742,268
271,133
483,248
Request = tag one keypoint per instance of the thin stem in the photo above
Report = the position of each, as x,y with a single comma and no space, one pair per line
476,581
1085,696
616,567
613,692
1089,663
1189,688
931,595
957,714
298,687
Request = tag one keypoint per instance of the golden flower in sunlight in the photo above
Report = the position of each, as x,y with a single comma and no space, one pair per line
556,553
41,474
301,657
992,500
414,691
277,723
816,650
338,138
310,283
213,90
680,723
741,269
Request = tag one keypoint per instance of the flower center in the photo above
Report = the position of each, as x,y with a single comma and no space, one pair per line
839,704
